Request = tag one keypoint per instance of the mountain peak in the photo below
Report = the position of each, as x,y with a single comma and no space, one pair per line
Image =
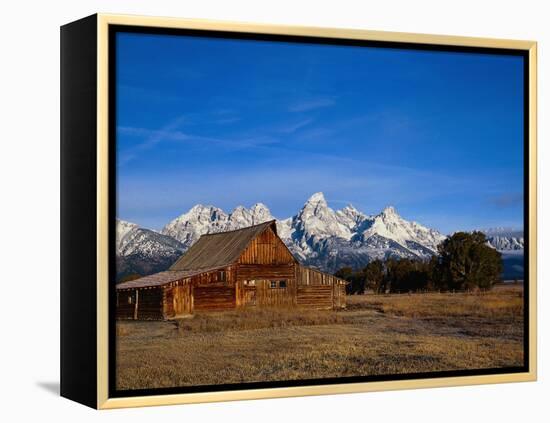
350,208
316,198
259,206
201,207
389,211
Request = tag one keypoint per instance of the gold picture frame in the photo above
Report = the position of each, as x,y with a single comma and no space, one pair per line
101,23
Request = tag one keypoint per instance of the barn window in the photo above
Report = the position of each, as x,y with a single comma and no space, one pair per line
277,284
221,275
130,299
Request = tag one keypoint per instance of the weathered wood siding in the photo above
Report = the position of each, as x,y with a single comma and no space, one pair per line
142,304
125,304
262,294
260,271
339,296
213,298
179,295
266,248
306,276
150,304
178,300
314,296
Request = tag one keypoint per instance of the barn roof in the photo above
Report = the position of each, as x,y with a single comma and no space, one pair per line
219,249
156,279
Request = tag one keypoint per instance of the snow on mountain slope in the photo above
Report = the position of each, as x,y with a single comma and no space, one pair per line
316,221
505,239
143,251
390,225
133,240
317,235
199,220
123,228
503,243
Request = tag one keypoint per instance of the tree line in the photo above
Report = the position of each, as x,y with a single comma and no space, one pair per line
464,261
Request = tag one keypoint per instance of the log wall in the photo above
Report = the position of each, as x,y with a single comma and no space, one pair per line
150,304
124,308
213,298
141,304
262,294
314,296
259,271
306,276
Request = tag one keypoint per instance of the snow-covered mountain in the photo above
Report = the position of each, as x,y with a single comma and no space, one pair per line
317,235
510,243
321,237
144,251
505,239
201,220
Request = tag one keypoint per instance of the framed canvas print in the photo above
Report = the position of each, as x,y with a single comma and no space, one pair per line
255,211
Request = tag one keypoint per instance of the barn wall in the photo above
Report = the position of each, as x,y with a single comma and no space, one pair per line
149,304
275,297
222,275
314,296
266,248
306,276
261,294
218,297
260,271
123,309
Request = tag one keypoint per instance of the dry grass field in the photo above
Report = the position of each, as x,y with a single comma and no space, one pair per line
375,335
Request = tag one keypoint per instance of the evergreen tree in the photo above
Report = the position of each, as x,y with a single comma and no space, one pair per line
467,262
374,275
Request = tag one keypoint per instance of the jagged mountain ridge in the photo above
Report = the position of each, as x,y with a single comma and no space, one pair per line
144,251
505,239
317,235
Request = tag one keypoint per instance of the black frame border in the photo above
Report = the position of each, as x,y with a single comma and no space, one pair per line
114,29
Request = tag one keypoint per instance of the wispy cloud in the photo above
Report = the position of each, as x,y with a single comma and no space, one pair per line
507,200
292,127
311,104
151,137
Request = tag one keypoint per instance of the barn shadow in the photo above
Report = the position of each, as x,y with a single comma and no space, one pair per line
51,387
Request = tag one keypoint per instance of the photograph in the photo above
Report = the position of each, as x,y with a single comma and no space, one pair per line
291,211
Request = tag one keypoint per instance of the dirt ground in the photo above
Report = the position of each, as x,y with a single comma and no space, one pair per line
375,335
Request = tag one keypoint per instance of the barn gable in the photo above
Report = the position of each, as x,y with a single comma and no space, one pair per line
226,248
266,248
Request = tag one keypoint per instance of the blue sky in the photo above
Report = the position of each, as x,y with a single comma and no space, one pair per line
227,122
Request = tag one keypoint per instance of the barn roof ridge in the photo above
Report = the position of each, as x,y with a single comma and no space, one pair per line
220,248
266,223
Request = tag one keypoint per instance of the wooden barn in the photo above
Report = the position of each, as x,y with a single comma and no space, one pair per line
250,267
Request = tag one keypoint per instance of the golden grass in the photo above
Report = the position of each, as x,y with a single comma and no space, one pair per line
375,335
249,319
502,302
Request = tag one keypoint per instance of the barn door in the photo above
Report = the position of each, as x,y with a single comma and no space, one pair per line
182,300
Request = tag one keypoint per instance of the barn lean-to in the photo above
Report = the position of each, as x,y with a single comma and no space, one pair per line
249,267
